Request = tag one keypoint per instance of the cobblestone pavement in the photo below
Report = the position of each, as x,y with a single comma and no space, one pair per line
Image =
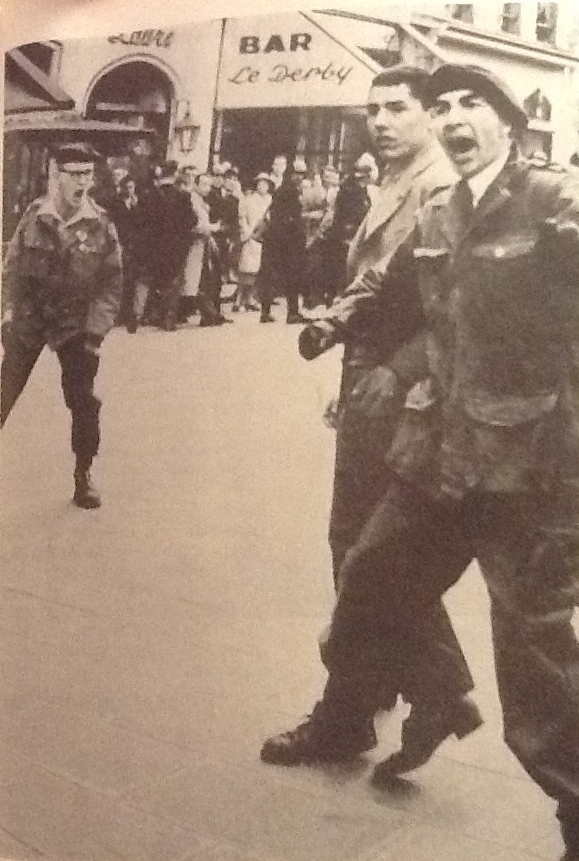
149,647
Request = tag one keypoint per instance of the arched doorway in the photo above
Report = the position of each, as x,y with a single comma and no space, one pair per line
137,93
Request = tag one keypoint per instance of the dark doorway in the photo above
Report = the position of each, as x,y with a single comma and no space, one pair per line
138,94
251,138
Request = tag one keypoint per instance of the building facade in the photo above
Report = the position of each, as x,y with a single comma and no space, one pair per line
247,89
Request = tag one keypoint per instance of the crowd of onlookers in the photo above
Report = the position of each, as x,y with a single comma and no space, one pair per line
193,240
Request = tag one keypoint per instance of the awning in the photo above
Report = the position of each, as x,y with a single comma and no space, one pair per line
59,121
296,60
28,88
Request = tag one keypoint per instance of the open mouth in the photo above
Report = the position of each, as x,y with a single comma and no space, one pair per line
460,144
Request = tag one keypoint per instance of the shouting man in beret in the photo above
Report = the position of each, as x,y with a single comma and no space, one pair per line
62,288
487,453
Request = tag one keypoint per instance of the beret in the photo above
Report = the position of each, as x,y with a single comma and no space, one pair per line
75,152
454,76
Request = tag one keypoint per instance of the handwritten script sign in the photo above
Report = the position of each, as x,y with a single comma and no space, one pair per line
282,73
144,38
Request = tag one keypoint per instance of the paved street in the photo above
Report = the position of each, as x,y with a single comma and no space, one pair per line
149,647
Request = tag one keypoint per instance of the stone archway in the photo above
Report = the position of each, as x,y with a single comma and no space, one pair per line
137,93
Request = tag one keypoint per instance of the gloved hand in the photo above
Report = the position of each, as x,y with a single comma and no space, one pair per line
315,339
372,396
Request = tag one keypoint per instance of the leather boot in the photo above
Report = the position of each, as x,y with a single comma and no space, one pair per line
423,732
318,739
85,493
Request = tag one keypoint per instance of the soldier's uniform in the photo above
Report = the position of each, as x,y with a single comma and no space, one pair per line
62,288
488,459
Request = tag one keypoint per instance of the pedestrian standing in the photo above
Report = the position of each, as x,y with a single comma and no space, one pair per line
203,272
284,245
170,207
487,455
135,226
353,201
253,213
62,289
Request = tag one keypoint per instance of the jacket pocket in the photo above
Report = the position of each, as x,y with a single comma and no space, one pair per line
509,411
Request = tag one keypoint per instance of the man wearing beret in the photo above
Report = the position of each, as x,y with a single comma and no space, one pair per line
62,287
487,454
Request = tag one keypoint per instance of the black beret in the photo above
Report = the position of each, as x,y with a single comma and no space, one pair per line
453,76
71,152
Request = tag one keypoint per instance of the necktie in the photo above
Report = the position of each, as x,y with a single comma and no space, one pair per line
464,202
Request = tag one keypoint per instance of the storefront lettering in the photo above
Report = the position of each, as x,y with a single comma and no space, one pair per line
252,44
281,72
144,38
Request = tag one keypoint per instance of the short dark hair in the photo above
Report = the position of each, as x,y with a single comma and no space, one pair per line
414,77
83,153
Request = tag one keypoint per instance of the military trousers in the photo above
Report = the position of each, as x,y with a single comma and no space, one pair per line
526,546
79,367
361,479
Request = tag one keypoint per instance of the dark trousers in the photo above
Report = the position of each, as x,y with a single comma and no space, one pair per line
361,479
410,552
79,367
209,296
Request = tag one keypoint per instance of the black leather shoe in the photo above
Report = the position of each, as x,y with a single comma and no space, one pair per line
423,733
266,318
316,741
85,493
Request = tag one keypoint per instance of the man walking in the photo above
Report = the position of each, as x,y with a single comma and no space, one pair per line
487,455
413,168
62,288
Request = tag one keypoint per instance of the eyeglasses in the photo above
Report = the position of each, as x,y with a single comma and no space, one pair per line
78,174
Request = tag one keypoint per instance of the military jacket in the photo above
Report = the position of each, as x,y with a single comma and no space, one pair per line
500,295
60,278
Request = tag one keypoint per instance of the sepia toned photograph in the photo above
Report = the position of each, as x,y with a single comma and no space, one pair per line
303,587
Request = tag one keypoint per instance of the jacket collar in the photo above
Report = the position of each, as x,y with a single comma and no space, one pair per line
394,190
85,211
495,197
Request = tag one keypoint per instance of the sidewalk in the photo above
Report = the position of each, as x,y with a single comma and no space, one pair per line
148,648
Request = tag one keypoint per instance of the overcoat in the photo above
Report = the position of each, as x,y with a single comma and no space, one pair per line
200,235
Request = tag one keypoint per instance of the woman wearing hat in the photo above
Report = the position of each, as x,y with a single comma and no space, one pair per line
253,214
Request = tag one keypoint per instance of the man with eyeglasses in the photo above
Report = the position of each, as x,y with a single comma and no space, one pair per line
62,284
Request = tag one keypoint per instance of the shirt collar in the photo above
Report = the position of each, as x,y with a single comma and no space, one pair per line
480,182
86,210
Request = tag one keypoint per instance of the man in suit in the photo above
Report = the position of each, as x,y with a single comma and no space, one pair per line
413,168
488,453
172,214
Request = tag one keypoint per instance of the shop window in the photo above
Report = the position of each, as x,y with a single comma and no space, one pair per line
546,27
537,106
461,12
511,18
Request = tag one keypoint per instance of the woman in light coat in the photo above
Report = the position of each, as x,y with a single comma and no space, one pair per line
253,213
